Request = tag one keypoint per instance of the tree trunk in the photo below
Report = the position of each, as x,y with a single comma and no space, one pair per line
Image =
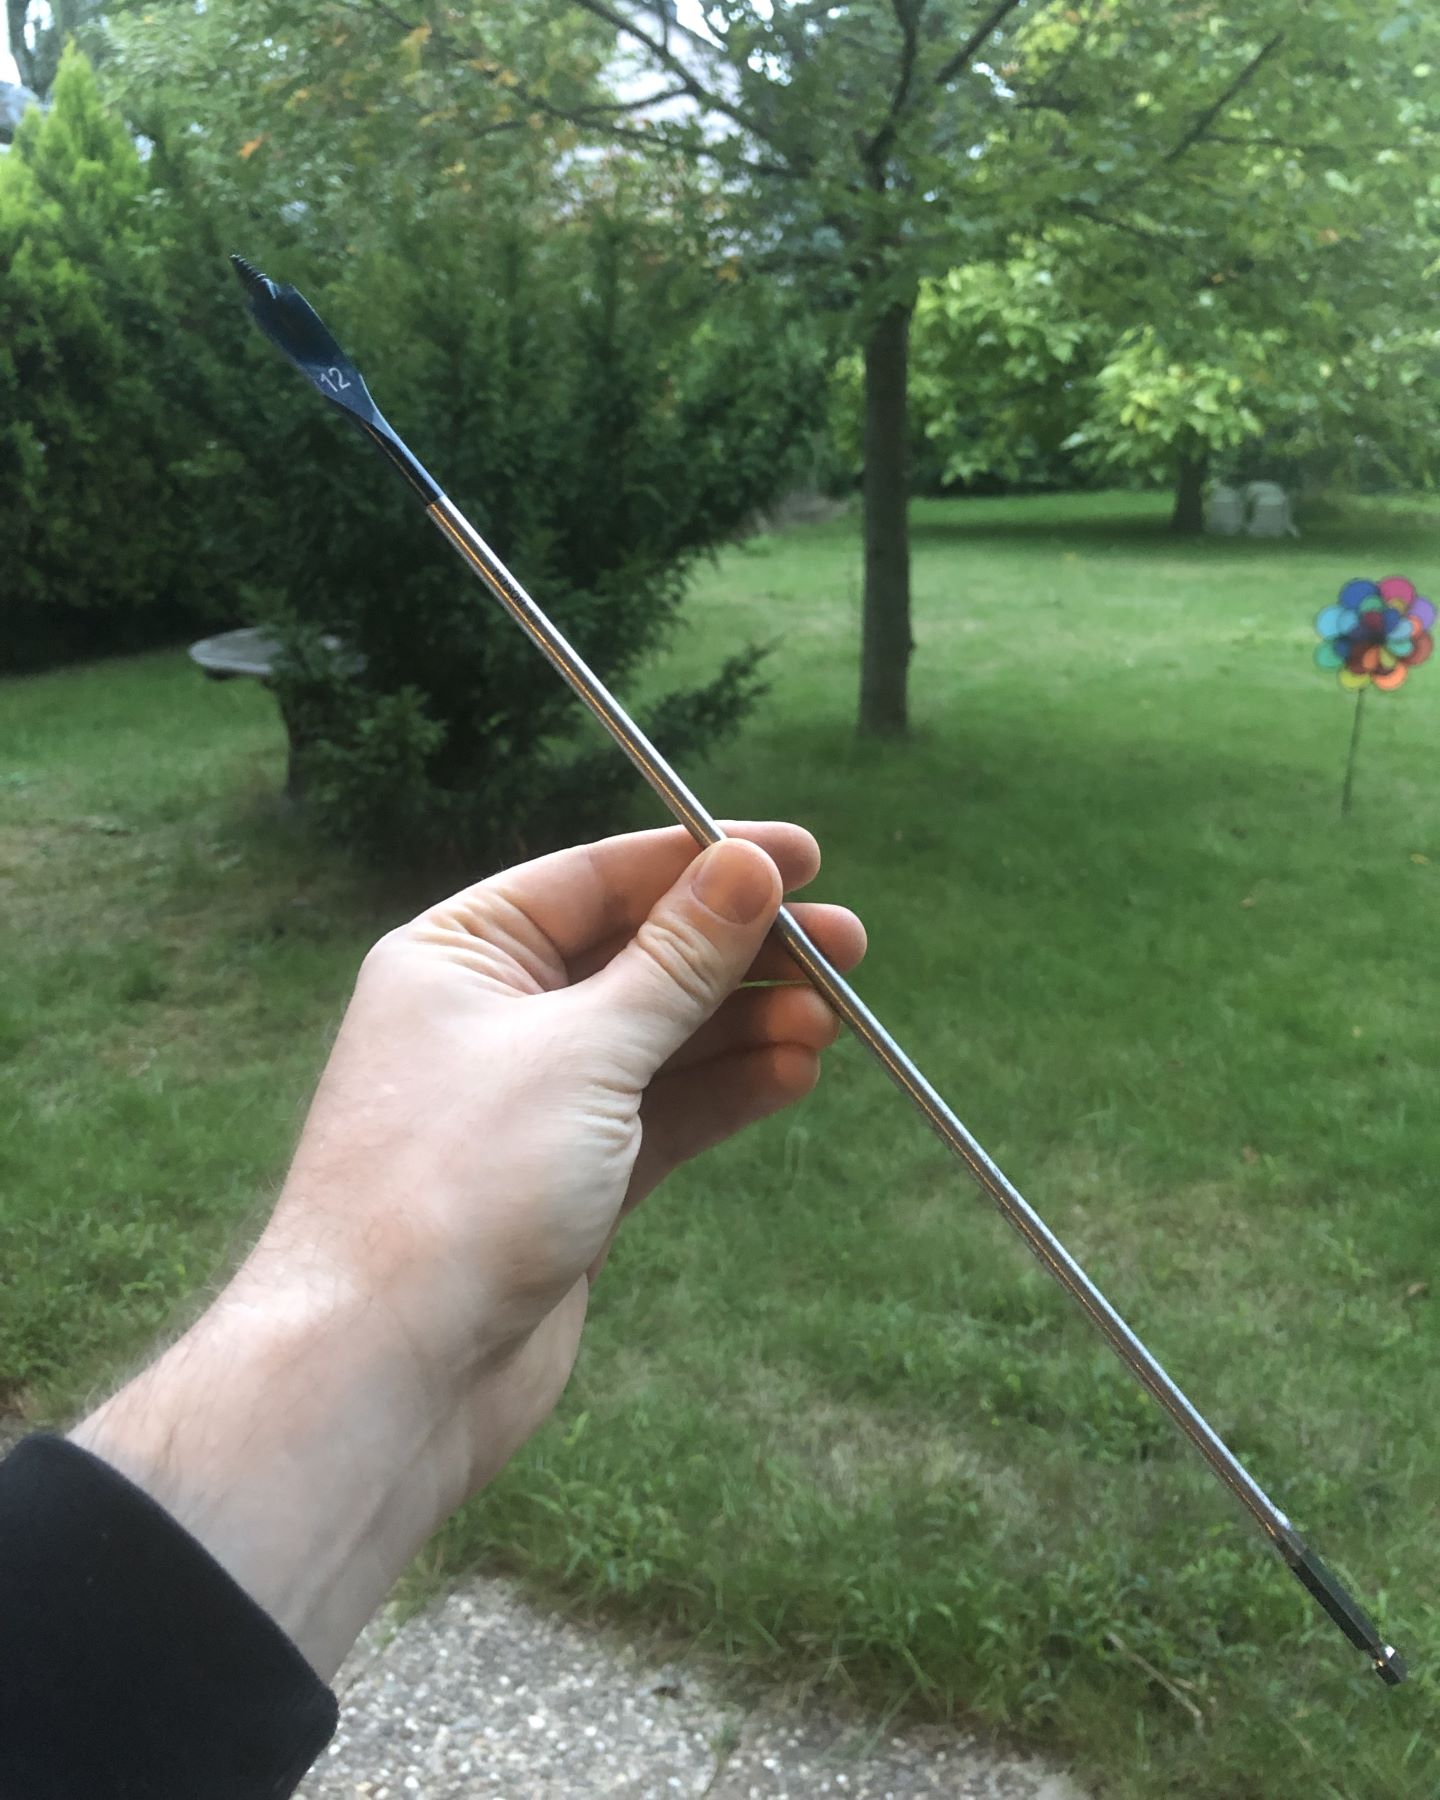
37,67
1189,512
885,627
16,12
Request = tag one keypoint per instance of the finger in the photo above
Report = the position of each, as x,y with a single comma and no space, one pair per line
692,1110
596,892
834,930
687,955
755,1017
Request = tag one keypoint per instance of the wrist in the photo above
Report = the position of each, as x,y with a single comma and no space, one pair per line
291,1435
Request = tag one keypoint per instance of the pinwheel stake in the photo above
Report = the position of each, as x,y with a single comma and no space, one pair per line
1351,755
1373,636
295,328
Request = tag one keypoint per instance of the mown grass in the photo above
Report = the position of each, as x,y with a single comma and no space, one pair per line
830,1420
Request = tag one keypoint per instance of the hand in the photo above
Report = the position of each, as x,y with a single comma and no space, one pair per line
528,1060
518,1067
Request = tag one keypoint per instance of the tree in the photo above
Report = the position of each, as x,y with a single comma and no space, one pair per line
1320,352
833,124
93,498
869,145
1172,401
1019,367
552,335
1001,369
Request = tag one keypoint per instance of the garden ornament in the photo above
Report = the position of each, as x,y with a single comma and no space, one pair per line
1373,636
294,328
1267,508
1224,511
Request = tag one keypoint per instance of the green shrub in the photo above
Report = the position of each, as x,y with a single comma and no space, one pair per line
95,549
604,413
571,363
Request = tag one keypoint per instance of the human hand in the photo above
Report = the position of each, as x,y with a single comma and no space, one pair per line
518,1066
526,1061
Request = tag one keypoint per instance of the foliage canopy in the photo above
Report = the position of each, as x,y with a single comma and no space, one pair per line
555,334
877,145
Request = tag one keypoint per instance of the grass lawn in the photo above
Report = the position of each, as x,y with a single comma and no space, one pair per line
830,1419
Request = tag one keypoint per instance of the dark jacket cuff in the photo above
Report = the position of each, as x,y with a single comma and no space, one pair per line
132,1666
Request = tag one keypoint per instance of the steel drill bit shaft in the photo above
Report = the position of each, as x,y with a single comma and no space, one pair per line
295,328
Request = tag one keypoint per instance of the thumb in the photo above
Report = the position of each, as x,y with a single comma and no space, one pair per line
692,951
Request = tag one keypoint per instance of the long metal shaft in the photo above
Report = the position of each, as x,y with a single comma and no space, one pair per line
294,327
465,539
853,1010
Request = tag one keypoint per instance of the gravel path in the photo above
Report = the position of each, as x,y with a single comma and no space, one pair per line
484,1696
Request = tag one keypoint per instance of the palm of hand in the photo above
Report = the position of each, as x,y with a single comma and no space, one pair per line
525,1063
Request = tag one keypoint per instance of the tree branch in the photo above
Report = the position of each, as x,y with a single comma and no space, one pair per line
1338,151
389,12
1147,235
624,106
907,17
791,23
962,58
1204,120
675,65
598,116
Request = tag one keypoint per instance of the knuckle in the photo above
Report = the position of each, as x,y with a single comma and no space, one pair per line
383,954
682,952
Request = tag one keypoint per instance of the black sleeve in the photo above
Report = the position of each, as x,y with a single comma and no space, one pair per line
132,1667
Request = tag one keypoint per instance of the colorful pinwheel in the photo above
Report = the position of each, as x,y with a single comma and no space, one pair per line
1373,636
1377,631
